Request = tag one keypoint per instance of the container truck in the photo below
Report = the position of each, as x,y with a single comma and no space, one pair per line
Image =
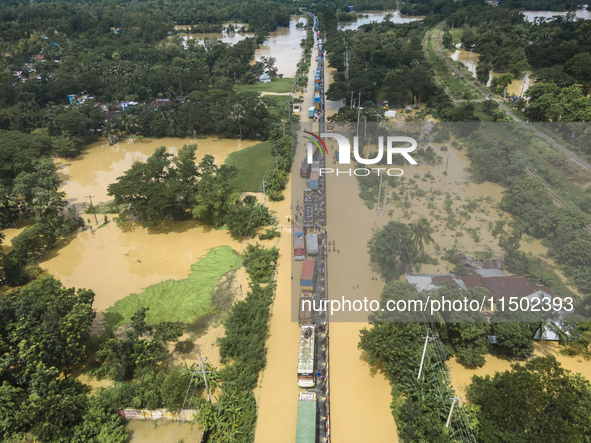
299,250
307,276
306,378
313,180
312,243
306,422
305,169
306,314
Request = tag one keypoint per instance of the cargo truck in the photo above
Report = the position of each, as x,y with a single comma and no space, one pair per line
306,314
311,111
313,180
312,243
299,250
306,357
306,422
305,169
307,276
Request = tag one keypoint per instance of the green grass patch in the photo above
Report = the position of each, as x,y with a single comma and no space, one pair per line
178,300
277,104
457,34
252,164
279,85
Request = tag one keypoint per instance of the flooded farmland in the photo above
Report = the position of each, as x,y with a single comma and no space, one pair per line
283,44
115,262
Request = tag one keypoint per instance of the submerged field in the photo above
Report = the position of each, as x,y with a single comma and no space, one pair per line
183,300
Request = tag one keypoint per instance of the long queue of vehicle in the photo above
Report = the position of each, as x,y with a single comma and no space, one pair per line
309,245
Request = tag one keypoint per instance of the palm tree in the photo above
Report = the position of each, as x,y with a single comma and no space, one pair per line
111,131
131,123
421,232
237,114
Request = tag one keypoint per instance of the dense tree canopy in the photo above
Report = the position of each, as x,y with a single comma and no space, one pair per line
45,330
551,404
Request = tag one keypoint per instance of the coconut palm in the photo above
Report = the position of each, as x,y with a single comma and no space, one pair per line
237,114
111,131
421,231
131,123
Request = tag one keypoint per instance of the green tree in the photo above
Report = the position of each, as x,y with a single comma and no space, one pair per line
144,346
579,66
537,401
393,249
421,232
482,72
529,200
47,324
514,337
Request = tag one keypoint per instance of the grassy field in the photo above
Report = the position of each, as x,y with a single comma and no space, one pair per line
178,300
279,85
252,164
457,35
279,104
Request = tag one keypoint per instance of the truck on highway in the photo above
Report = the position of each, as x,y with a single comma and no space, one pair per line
306,357
312,243
308,275
313,180
299,249
306,422
305,314
305,169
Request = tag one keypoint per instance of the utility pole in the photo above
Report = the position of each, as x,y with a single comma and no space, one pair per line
203,372
423,357
351,99
379,195
453,403
385,194
92,206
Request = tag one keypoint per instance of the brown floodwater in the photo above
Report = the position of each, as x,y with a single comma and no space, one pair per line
461,376
376,16
277,392
533,15
100,163
359,394
116,262
162,431
283,44
470,60
518,86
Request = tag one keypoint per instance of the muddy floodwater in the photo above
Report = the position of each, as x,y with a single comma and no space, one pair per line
461,376
470,60
376,16
533,16
162,431
116,262
100,164
467,58
283,44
